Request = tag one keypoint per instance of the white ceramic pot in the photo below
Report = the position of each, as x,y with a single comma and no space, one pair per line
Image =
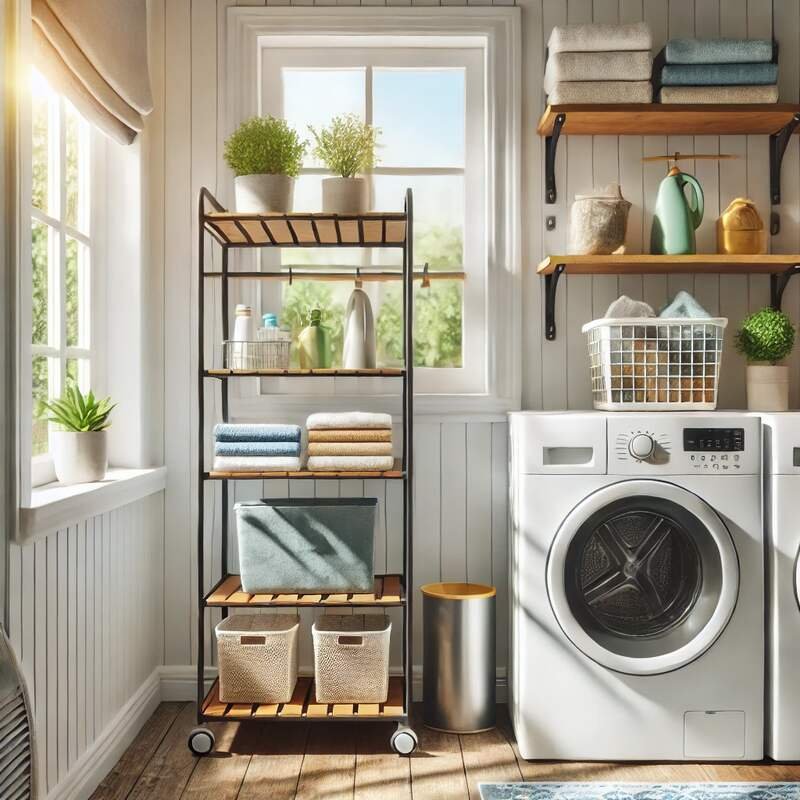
260,194
344,195
359,332
79,457
767,388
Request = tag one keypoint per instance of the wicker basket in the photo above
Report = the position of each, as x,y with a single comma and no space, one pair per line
656,364
257,658
351,658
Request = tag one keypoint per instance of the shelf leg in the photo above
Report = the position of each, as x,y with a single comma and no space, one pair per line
550,145
550,285
778,142
778,283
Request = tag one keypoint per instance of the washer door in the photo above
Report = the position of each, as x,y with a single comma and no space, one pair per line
642,576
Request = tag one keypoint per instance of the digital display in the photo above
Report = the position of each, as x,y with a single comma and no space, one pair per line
721,440
796,456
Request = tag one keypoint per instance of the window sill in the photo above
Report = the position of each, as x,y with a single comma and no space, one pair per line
54,506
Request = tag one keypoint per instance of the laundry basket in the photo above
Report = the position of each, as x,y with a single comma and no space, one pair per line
657,364
257,658
351,658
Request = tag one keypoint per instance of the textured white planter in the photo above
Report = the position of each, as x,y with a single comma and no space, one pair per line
344,195
79,457
767,388
259,194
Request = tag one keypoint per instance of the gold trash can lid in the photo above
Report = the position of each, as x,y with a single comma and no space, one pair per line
458,591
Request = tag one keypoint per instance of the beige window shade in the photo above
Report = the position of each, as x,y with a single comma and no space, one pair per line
96,55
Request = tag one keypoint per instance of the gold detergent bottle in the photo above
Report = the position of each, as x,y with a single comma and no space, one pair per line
314,343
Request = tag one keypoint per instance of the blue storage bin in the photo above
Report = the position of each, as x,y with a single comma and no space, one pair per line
303,545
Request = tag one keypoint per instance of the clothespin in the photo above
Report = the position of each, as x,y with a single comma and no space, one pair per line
358,278
426,281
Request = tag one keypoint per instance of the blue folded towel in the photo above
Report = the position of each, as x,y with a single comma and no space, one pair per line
228,432
718,51
719,74
257,449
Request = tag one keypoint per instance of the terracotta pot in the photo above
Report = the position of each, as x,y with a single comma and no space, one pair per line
344,195
261,194
79,457
767,388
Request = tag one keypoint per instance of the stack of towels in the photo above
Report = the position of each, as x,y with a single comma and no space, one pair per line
599,64
256,448
719,71
353,441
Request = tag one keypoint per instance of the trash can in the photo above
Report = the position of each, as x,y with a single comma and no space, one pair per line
458,677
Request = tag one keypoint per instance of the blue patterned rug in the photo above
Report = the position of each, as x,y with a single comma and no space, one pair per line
640,791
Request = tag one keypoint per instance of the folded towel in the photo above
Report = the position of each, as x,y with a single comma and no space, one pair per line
350,449
348,420
719,94
256,464
717,51
634,65
601,92
350,436
719,74
257,449
590,37
350,463
226,432
684,305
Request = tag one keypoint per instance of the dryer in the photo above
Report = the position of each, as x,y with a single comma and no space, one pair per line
637,591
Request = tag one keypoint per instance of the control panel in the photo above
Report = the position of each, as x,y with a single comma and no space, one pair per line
721,440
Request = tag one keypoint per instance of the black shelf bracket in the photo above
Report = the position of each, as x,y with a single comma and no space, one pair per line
778,283
550,285
778,142
550,145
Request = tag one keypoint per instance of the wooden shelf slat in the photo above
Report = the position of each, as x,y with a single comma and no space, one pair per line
380,372
392,474
649,264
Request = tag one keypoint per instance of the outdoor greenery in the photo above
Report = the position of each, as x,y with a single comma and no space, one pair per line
767,335
265,146
347,146
77,412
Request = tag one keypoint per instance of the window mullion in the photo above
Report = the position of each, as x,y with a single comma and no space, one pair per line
62,254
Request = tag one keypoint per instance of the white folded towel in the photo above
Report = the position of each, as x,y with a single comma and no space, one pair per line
589,92
633,65
348,420
593,37
256,464
350,463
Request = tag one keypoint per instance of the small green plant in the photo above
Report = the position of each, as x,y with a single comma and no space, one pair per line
347,146
265,146
77,412
766,335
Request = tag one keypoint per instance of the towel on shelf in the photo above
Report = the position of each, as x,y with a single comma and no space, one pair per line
256,464
257,449
718,51
229,432
719,94
348,420
633,65
719,74
350,463
684,305
350,449
575,92
591,37
344,435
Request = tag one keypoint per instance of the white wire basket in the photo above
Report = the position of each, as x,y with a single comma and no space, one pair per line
257,355
657,364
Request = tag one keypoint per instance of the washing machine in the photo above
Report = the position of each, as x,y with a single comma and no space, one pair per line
637,586
782,533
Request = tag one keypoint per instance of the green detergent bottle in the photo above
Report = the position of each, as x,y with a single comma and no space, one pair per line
675,217
314,343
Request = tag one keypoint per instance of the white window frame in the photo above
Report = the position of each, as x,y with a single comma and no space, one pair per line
250,29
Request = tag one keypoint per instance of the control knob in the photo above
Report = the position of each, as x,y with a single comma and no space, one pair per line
641,446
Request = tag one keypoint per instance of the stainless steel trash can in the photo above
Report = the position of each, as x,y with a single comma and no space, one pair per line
458,676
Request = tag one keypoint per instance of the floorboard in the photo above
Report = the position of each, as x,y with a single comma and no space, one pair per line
274,769
328,769
219,776
380,774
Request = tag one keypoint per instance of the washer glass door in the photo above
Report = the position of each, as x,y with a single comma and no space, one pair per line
642,576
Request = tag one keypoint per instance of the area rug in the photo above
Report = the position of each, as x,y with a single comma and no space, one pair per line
639,791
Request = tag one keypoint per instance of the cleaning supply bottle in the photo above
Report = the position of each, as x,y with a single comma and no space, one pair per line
675,217
239,352
313,343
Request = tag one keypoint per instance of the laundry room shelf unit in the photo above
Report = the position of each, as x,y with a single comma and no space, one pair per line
233,231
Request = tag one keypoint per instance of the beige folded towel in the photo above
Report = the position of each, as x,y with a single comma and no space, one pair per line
256,464
350,463
719,94
350,436
576,92
350,448
347,420
592,37
634,65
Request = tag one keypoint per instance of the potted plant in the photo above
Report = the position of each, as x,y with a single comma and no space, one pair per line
266,156
346,147
766,338
80,447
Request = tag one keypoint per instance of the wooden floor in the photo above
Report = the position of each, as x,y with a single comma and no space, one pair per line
351,761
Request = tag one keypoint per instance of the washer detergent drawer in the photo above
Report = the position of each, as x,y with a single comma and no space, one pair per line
558,444
713,734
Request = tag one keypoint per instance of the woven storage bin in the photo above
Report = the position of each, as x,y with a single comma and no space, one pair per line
655,364
257,658
351,658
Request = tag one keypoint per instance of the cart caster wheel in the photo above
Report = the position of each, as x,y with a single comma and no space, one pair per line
404,741
201,741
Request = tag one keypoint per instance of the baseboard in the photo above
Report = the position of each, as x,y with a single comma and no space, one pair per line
107,748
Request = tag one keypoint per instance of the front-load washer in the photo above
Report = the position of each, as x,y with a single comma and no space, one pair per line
637,587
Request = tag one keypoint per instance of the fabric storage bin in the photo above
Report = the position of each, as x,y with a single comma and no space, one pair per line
311,546
257,656
351,658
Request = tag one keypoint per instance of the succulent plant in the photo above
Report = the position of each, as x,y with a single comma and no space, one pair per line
77,412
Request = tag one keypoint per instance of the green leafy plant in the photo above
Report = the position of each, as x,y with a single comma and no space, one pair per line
77,412
766,335
265,146
347,146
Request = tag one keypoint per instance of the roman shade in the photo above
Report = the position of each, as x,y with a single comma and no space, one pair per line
95,54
